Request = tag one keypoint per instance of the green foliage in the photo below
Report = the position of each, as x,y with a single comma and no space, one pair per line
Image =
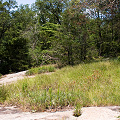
77,111
81,85
71,45
39,70
3,94
62,32
0,75
15,56
118,58
24,87
50,10
118,117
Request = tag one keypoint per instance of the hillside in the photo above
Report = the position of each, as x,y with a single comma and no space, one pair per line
83,85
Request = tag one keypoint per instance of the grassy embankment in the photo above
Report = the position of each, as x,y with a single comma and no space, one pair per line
93,84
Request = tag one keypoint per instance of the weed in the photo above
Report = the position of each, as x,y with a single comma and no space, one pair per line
118,117
39,70
3,93
77,111
50,94
24,87
118,58
0,75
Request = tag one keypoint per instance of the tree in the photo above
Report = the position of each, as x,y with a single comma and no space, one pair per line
41,39
50,10
14,48
73,37
104,13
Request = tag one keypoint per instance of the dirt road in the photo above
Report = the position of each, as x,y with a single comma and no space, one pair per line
9,78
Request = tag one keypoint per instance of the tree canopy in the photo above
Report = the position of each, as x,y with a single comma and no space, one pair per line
65,32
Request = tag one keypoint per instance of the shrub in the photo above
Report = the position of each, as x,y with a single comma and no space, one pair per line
39,70
0,75
118,58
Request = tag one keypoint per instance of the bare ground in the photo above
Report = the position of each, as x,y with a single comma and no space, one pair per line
9,78
88,113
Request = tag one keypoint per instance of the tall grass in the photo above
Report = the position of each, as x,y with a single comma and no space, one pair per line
41,69
0,75
93,84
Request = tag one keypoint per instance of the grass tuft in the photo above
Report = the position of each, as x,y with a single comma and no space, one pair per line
3,94
77,111
0,75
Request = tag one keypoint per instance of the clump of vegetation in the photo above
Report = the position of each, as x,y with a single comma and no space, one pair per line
77,111
91,84
118,58
118,117
39,70
3,94
0,75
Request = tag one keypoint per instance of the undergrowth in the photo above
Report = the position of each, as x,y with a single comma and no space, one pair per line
41,69
0,75
92,84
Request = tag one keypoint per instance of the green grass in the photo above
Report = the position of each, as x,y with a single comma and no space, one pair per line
93,84
41,69
0,75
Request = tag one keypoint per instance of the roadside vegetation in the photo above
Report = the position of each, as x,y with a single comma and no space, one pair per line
0,75
90,84
41,69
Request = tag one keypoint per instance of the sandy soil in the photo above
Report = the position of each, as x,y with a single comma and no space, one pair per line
88,113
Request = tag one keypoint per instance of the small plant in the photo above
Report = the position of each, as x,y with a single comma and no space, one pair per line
118,58
118,117
25,87
50,94
51,69
29,72
0,75
3,94
77,111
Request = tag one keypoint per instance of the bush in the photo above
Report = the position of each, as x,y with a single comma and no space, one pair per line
0,75
118,58
39,70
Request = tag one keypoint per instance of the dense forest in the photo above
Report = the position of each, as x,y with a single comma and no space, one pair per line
66,32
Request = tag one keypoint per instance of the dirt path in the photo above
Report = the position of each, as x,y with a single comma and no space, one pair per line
13,77
88,113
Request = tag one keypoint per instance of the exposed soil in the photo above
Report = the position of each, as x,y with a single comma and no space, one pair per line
88,113
9,78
